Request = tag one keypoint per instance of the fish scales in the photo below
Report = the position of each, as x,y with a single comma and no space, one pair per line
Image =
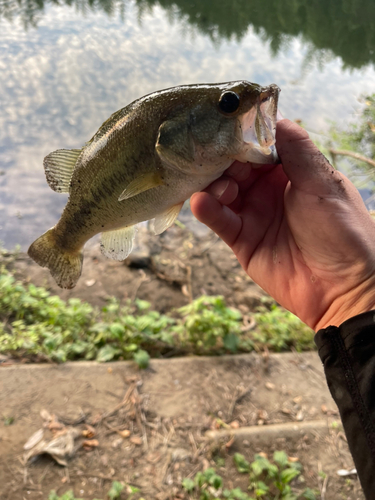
146,160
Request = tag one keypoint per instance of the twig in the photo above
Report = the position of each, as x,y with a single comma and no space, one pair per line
113,429
100,476
142,279
125,400
236,399
324,488
352,154
188,283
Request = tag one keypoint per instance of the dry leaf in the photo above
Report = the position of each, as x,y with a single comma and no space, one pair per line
263,454
235,424
125,433
34,439
137,440
270,386
90,444
89,432
299,415
60,447
55,426
46,415
293,459
229,443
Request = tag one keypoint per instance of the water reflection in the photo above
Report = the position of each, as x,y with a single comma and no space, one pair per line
61,80
345,27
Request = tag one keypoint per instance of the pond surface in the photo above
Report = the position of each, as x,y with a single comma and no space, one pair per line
65,66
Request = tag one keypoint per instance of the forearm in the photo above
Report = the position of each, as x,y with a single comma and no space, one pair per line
348,355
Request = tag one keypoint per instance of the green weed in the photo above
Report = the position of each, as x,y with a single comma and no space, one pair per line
267,481
113,494
35,323
358,138
280,330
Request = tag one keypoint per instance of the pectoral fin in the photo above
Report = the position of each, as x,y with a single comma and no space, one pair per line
164,220
59,166
118,244
141,184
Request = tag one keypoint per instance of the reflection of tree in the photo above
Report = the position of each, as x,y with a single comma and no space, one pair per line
345,27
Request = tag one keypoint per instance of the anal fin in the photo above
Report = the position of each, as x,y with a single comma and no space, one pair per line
140,184
118,244
164,220
59,166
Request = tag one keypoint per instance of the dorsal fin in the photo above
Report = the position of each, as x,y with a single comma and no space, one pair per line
59,167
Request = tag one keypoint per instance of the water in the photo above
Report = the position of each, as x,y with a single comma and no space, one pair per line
64,68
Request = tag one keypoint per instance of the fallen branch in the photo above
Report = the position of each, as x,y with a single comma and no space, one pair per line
352,154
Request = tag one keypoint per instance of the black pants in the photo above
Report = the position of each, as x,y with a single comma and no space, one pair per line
348,356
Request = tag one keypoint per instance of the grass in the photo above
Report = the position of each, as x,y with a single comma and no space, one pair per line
34,323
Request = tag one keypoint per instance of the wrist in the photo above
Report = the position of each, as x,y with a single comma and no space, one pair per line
350,304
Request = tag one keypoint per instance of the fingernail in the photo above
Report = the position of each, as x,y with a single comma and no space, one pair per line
279,116
218,189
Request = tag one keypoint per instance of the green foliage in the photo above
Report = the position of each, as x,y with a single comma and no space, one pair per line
142,358
8,420
280,330
115,490
344,28
207,320
35,323
271,481
267,481
359,137
113,494
69,495
208,485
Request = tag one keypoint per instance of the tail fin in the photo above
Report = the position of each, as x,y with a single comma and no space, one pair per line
65,267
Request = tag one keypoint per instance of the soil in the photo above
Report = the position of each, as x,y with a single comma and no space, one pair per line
166,412
151,426
166,270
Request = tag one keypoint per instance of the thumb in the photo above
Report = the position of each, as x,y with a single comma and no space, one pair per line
305,166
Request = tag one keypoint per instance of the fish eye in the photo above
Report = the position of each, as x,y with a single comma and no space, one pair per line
229,102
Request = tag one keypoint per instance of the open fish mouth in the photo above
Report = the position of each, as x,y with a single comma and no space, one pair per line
259,128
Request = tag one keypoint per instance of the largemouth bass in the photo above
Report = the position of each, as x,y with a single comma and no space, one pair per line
146,160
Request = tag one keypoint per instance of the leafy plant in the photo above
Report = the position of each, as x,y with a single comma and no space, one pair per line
113,494
208,320
353,149
267,480
115,490
280,330
208,485
271,481
35,323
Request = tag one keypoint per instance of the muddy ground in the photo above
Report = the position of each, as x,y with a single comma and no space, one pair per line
167,270
152,427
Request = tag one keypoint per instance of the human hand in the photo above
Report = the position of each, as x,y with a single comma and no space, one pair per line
300,230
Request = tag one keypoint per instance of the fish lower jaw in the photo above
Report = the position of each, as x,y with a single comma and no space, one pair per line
258,154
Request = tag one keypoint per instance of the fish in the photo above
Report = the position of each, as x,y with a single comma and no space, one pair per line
147,159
